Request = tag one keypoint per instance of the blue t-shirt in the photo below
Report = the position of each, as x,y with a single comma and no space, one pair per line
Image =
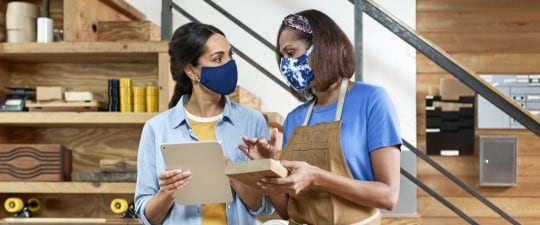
172,126
369,122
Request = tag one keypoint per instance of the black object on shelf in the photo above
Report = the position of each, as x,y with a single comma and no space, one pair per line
15,102
450,125
114,95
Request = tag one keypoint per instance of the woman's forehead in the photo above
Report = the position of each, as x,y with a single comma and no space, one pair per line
215,43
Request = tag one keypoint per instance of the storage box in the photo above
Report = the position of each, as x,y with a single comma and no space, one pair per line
34,162
128,31
49,93
498,160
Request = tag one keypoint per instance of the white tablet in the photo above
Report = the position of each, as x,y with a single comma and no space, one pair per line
208,183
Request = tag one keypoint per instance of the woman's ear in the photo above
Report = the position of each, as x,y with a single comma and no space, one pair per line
189,70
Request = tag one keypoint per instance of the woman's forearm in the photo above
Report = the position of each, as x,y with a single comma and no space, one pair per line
280,201
251,198
157,208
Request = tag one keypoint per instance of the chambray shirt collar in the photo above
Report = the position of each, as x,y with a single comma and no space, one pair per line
179,117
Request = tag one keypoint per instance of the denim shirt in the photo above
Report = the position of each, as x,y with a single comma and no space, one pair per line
172,126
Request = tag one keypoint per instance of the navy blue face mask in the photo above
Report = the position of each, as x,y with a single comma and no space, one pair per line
220,79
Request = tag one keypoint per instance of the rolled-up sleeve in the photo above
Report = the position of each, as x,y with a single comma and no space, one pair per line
266,207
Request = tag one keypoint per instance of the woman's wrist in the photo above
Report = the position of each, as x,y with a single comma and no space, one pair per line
316,175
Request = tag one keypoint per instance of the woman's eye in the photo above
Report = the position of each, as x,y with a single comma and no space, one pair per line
290,53
218,60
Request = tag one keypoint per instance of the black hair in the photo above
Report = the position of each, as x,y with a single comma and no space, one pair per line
185,47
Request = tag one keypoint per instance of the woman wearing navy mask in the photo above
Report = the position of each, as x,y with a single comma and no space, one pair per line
204,71
342,146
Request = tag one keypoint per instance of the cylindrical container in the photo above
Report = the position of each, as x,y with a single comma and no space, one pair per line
126,95
114,95
44,30
139,99
21,21
152,93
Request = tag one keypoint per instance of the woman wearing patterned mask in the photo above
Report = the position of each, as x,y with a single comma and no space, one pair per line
342,147
204,71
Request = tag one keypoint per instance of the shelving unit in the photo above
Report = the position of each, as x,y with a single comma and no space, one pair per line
91,136
67,188
74,119
80,64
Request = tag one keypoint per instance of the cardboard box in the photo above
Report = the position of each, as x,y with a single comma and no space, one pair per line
34,162
49,93
128,31
244,97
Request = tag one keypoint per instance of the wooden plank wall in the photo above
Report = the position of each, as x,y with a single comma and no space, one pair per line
89,144
82,25
487,36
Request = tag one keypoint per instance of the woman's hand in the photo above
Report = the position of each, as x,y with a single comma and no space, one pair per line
260,148
301,176
171,181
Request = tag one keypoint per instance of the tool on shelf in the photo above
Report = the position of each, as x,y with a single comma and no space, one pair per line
16,101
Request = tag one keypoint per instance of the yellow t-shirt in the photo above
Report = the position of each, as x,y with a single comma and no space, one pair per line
205,130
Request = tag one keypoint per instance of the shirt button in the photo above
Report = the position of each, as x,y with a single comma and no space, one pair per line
228,206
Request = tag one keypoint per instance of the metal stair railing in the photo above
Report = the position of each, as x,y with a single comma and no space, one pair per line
442,59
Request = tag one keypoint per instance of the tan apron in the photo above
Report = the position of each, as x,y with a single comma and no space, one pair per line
320,146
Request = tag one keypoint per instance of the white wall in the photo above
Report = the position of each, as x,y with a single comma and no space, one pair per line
388,61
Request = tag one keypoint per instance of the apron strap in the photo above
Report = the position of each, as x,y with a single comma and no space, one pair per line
341,98
340,102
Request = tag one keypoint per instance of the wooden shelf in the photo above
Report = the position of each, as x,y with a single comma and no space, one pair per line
82,51
78,221
74,119
34,187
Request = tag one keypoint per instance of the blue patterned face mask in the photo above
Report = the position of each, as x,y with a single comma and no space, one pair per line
297,70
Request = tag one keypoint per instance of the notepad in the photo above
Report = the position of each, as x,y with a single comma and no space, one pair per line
208,183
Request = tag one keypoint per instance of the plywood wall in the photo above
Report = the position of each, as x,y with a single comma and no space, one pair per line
487,36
